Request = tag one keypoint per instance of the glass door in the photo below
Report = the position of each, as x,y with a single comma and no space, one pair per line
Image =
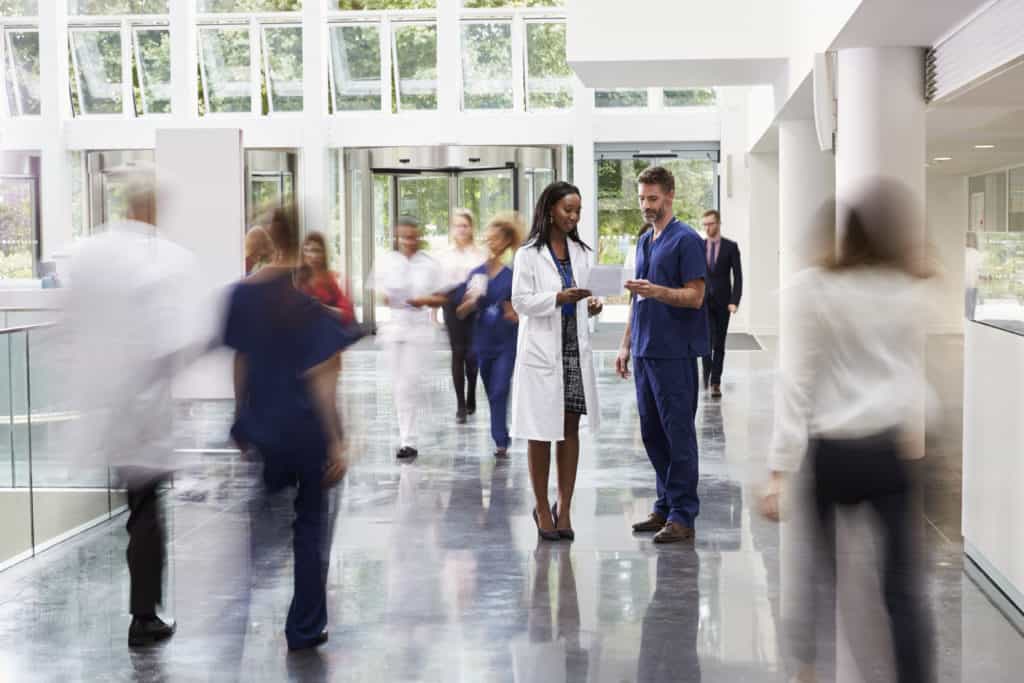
487,193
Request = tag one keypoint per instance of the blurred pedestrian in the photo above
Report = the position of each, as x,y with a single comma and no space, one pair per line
457,262
285,394
128,319
316,278
259,250
554,382
849,409
489,297
410,283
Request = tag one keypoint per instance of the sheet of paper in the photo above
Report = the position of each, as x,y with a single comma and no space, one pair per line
607,280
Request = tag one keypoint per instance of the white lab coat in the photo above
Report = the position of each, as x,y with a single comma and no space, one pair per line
538,395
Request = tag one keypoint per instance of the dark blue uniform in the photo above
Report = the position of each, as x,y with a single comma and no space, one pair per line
284,333
666,342
494,344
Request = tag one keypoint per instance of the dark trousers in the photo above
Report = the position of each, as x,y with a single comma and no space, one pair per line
464,363
666,396
303,467
496,372
871,471
146,545
718,325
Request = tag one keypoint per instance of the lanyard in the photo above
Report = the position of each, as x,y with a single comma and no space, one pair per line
565,272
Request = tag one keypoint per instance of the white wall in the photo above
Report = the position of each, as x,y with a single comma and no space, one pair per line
735,189
993,458
762,260
946,226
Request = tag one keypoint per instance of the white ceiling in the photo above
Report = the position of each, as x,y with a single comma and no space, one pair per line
990,113
886,23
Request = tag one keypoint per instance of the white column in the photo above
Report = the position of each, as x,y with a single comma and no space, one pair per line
806,178
881,127
55,183
449,70
184,60
315,179
761,256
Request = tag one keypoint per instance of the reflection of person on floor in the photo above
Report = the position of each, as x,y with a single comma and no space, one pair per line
552,651
128,320
285,394
668,644
409,281
456,263
489,299
850,410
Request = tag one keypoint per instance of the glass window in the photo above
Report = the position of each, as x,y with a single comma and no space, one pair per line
473,4
426,198
18,240
282,50
356,67
994,257
620,98
224,60
112,7
618,213
548,76
227,6
486,194
487,65
356,5
96,59
22,71
19,8
416,65
695,97
153,60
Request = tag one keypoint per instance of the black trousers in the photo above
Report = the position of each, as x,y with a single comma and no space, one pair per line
870,471
464,363
718,326
146,544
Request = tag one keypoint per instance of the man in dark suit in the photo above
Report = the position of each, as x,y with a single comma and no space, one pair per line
725,287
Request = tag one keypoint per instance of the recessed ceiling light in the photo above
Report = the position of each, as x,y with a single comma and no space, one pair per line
943,159
984,147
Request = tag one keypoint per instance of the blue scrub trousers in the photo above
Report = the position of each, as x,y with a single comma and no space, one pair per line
496,372
666,395
313,527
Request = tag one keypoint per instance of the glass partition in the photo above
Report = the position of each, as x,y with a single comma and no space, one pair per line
96,61
620,98
487,193
282,53
994,255
356,67
225,63
15,497
487,65
22,69
153,59
696,97
415,57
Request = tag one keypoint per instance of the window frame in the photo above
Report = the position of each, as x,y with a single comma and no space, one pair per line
241,22
527,22
516,83
396,70
263,27
127,95
383,25
7,57
137,53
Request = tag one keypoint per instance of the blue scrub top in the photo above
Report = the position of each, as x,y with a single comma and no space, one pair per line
493,335
283,333
660,330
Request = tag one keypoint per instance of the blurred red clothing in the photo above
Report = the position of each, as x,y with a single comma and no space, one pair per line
325,288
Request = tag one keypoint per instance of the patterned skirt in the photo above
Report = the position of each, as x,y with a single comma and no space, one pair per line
572,375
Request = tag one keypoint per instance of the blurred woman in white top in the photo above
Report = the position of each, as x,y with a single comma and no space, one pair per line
850,406
410,283
463,256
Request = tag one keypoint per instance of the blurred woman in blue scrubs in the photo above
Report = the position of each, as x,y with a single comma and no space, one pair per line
489,294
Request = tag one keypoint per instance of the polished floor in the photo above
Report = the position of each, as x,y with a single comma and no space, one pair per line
436,573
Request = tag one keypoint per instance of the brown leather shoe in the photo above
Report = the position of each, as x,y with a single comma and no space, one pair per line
716,391
673,532
654,522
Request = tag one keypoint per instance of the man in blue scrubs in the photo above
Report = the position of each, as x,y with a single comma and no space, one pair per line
666,333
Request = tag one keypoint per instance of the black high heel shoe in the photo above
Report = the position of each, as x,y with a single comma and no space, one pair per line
545,535
567,534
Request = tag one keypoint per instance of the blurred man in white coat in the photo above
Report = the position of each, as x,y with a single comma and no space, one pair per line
128,318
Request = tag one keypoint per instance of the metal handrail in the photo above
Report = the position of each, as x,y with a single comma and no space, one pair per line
26,328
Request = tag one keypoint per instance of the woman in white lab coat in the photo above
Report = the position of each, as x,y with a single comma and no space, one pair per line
554,383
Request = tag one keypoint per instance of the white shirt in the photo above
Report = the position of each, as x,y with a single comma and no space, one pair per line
401,279
852,362
457,263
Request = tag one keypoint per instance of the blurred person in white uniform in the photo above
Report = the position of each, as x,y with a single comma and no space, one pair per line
129,319
850,412
410,283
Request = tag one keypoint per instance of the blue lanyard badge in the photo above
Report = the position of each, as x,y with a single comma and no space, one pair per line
565,271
